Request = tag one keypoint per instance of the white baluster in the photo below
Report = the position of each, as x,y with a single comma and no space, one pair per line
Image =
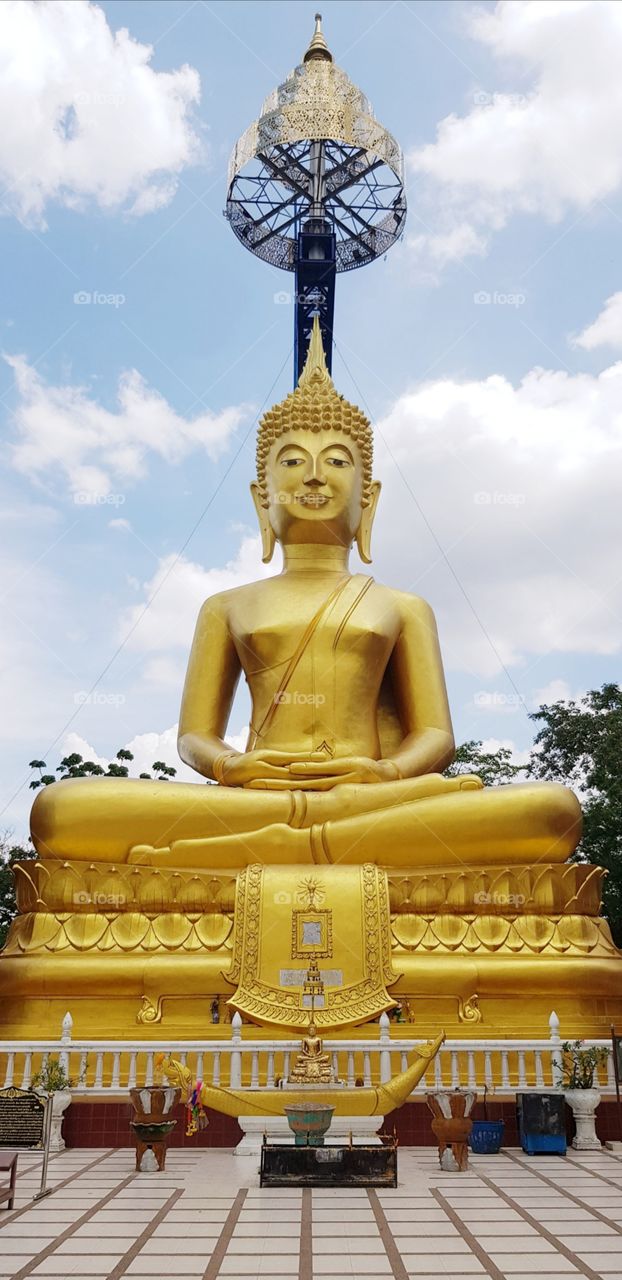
149,1069
270,1073
505,1069
65,1039
522,1075
611,1075
216,1068
366,1068
471,1069
255,1069
82,1069
200,1068
10,1070
235,1069
539,1069
99,1069
403,1061
131,1080
286,1064
438,1072
27,1070
556,1052
488,1079
455,1070
116,1069
350,1068
385,1048
335,1065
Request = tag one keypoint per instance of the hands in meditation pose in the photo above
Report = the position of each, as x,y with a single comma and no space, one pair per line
350,726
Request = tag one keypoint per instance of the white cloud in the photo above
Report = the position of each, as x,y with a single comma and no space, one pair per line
147,748
606,329
75,744
510,478
63,430
519,756
121,524
177,591
553,147
85,115
556,691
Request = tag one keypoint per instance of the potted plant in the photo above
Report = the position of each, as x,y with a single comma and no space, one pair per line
578,1068
486,1135
52,1081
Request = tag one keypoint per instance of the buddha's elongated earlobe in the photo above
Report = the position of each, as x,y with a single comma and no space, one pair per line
268,539
363,533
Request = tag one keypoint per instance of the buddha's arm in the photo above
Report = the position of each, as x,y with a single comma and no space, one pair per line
419,684
211,681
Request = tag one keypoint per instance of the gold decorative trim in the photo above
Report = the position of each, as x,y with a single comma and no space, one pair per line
469,1010
357,1001
150,1012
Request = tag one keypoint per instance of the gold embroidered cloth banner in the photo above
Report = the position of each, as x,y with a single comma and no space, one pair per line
287,918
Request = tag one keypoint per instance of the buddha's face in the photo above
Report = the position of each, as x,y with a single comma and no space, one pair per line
314,481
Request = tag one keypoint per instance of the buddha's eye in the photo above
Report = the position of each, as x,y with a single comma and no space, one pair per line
338,462
291,462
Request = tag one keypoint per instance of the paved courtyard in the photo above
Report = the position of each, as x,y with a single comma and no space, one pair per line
509,1216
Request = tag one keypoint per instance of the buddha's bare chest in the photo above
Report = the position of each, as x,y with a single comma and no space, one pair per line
276,624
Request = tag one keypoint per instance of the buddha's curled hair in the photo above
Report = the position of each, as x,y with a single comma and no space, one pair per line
315,405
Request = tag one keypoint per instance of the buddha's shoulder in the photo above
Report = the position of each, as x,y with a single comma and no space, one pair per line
223,602
410,606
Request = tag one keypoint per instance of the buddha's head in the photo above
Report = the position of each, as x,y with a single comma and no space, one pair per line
314,457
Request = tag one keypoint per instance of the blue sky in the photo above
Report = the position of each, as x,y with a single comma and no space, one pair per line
486,347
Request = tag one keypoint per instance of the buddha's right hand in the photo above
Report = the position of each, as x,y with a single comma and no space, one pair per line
268,766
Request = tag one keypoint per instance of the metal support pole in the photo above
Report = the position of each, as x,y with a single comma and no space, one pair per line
44,1190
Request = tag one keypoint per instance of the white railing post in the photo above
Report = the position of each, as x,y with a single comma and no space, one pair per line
385,1048
488,1076
65,1039
235,1078
539,1070
556,1053
27,1076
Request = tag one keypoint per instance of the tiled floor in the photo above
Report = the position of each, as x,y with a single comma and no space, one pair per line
510,1216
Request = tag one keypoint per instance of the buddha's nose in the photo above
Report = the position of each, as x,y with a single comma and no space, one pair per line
314,476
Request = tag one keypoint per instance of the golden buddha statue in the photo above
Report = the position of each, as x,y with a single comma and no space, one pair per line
350,731
350,726
312,1065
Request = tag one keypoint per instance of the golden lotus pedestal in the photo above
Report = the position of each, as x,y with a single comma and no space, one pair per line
140,952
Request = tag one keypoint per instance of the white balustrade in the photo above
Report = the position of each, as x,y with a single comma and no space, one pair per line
107,1068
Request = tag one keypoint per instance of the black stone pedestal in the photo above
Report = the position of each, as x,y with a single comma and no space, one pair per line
328,1166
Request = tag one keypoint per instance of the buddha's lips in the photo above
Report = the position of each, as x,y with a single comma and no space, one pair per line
313,499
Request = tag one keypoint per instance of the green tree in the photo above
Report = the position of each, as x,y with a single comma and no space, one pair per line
495,768
9,853
74,766
579,743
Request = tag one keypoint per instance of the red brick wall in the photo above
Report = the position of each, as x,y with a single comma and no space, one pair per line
107,1124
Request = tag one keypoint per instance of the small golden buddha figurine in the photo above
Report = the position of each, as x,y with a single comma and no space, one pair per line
312,1065
350,726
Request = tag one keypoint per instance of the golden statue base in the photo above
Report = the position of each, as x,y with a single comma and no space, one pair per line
483,953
